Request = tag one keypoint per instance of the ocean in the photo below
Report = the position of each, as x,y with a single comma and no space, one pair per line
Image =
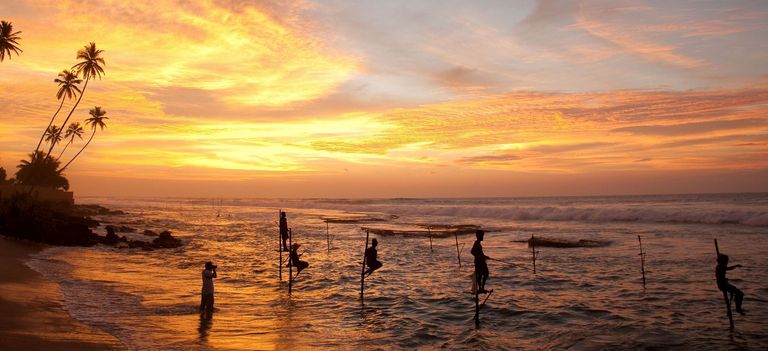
582,298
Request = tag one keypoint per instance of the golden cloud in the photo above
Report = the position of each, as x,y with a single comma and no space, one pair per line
236,50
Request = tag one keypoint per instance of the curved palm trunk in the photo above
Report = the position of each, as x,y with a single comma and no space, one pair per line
78,153
49,125
63,125
65,149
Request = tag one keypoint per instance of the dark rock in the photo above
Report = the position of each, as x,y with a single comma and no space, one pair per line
436,231
23,217
148,232
137,243
122,229
561,243
166,240
126,229
111,238
90,210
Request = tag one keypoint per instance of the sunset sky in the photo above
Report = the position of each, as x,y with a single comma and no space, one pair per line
400,98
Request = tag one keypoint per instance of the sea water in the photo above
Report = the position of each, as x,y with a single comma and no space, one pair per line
585,298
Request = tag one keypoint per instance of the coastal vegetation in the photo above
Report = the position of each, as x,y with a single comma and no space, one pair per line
25,215
42,168
90,66
9,40
96,120
67,81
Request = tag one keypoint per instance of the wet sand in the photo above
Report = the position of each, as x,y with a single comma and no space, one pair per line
33,316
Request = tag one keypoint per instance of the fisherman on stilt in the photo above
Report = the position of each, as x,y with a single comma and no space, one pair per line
481,267
284,230
295,261
722,281
371,258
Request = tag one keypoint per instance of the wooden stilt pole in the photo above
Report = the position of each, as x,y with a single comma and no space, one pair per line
642,259
458,253
362,273
430,239
477,307
725,294
280,245
290,264
533,252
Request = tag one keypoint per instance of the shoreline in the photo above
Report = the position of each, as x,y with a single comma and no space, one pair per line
34,317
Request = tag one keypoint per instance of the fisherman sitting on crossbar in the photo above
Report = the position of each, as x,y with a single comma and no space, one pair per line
722,281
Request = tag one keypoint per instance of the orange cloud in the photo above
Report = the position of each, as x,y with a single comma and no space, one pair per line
238,51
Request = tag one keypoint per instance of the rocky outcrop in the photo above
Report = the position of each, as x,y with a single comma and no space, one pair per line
166,241
25,218
163,240
94,210
122,229
562,243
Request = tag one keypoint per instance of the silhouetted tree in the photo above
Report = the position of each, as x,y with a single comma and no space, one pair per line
68,88
41,170
8,40
74,130
53,135
97,119
90,67
3,175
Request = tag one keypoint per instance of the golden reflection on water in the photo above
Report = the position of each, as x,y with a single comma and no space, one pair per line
588,297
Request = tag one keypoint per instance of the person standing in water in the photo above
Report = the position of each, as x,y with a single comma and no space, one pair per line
206,300
284,230
371,258
481,267
722,281
295,261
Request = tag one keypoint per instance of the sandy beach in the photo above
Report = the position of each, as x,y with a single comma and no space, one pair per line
33,316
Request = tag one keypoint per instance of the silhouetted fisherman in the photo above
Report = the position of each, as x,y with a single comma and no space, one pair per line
295,261
206,300
722,281
371,258
284,230
481,267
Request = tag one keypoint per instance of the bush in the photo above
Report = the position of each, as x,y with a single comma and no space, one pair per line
41,170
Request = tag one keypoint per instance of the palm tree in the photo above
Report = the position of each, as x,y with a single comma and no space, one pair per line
68,82
40,170
53,135
96,120
74,130
8,40
90,67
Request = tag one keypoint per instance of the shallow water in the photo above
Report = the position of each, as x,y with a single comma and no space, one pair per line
580,298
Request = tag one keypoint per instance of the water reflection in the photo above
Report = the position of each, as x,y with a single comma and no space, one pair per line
204,328
588,297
